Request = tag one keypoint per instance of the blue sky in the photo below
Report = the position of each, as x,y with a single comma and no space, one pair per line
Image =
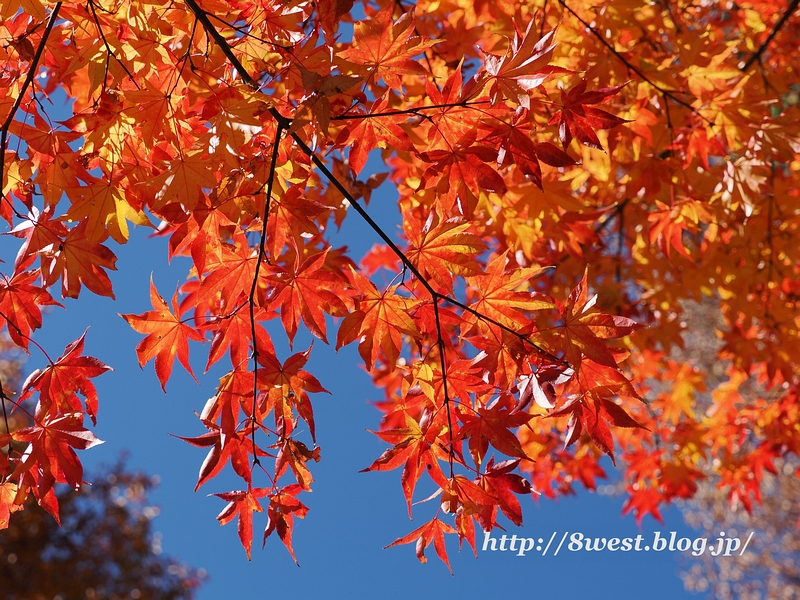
353,515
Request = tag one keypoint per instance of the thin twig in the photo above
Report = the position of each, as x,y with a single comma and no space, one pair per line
409,111
23,90
781,22
440,343
252,300
109,49
641,74
13,325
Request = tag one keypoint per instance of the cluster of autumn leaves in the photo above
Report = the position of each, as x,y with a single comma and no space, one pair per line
242,128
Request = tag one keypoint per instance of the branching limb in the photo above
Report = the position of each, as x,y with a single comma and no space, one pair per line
109,50
252,298
37,57
632,68
756,57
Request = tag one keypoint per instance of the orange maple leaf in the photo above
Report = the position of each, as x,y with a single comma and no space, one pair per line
383,49
167,336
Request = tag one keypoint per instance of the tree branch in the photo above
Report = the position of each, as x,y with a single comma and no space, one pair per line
252,298
756,57
109,49
285,122
18,101
641,74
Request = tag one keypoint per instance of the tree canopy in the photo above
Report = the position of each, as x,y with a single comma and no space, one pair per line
105,549
569,176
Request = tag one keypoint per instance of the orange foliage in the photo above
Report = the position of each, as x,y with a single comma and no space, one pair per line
570,174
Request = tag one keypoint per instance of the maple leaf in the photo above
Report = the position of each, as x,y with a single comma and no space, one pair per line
460,171
501,354
294,216
499,481
19,305
200,235
492,425
432,531
583,331
379,321
441,249
287,385
316,106
365,134
296,454
8,503
642,502
499,299
283,507
106,209
593,413
304,293
77,260
224,446
231,275
242,503
166,337
517,147
183,181
383,49
413,449
523,67
379,256
230,330
51,458
577,118
59,383
40,234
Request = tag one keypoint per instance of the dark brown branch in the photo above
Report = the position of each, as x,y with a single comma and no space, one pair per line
409,111
3,399
246,33
26,84
109,49
285,123
756,57
632,68
442,361
252,298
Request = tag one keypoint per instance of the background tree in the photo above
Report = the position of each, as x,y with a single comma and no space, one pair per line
242,128
104,548
770,570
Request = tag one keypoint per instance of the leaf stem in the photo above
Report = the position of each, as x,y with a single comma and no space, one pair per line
252,298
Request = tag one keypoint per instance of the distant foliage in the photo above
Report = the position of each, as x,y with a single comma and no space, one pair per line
105,547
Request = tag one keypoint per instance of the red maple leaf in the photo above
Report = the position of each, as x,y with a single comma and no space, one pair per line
432,531
167,336
59,383
577,118
19,305
242,503
283,507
